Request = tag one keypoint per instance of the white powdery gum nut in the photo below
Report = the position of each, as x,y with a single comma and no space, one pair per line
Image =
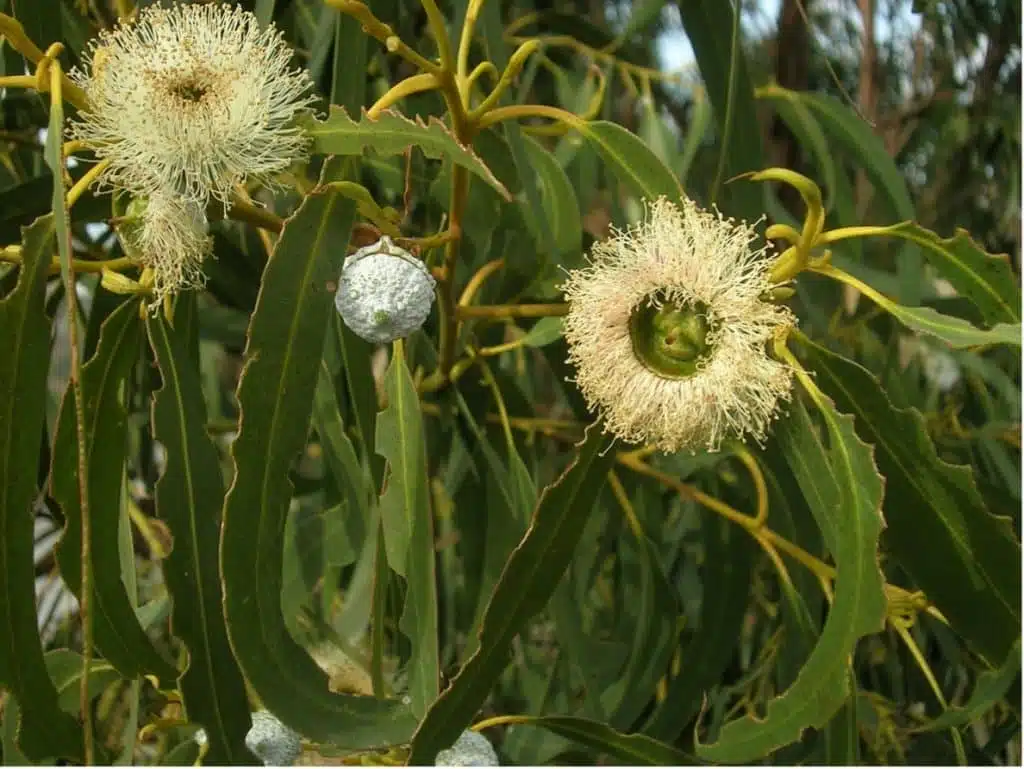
271,741
471,749
385,293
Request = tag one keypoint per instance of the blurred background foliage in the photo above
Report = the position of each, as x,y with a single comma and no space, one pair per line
898,109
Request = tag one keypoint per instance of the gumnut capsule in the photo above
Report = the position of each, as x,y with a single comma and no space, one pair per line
385,293
271,741
471,749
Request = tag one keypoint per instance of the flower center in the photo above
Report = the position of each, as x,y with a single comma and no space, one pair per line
192,92
671,338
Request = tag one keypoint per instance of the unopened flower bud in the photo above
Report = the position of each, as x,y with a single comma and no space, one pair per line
384,293
471,749
271,741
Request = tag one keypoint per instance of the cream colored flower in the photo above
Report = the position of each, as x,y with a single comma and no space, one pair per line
192,98
668,330
169,235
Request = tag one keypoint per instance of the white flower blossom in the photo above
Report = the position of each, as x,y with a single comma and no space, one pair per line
170,235
384,293
194,99
668,327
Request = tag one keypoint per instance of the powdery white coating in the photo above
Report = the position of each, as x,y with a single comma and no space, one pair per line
471,749
192,98
687,256
384,293
172,237
271,741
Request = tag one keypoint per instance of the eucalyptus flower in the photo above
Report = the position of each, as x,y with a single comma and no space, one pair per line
668,327
194,99
170,236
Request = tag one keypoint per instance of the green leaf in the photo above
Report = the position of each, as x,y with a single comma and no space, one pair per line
355,355
342,462
286,339
987,280
708,25
952,330
966,561
544,332
844,492
558,198
529,579
728,561
408,526
391,134
65,668
45,731
189,496
632,161
631,749
990,688
805,127
116,629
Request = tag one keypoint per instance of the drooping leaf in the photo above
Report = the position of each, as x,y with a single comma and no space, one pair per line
632,161
987,280
45,731
285,343
634,749
989,689
844,491
392,134
65,668
408,526
529,579
189,496
728,563
723,67
966,560
559,199
116,629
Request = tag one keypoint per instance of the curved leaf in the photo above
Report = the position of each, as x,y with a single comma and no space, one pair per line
116,628
987,280
631,749
286,339
559,199
528,581
632,161
391,134
44,731
708,25
408,526
967,561
844,492
189,496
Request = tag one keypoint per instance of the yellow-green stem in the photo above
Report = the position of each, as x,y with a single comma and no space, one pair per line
503,311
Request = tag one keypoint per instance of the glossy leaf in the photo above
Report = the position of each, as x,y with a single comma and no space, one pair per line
709,26
966,560
989,689
526,584
285,342
44,730
116,629
630,749
65,668
987,280
392,134
408,526
844,492
632,161
189,496
559,199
